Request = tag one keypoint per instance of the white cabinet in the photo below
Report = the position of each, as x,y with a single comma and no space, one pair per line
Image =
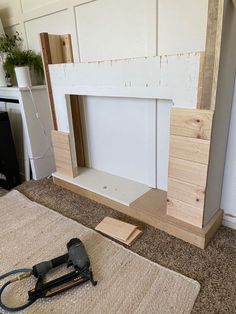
29,115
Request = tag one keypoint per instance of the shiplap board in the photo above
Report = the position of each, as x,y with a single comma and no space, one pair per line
120,137
191,149
191,123
188,171
182,26
113,187
57,23
111,29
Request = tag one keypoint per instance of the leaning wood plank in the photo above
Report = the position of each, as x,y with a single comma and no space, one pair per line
62,153
75,102
185,212
186,192
234,3
191,123
116,228
47,59
187,171
191,149
67,48
55,46
212,54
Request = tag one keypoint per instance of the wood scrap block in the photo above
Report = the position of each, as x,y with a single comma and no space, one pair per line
119,230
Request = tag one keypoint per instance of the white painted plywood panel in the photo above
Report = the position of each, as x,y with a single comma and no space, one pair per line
28,5
163,138
182,26
121,137
169,77
57,23
228,200
113,187
111,29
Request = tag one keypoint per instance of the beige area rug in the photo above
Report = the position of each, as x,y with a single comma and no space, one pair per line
127,283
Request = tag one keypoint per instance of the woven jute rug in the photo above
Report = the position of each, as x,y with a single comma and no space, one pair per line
127,282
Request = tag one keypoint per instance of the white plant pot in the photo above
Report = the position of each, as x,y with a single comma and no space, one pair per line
23,76
2,76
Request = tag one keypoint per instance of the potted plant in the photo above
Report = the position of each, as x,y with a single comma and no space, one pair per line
26,66
8,43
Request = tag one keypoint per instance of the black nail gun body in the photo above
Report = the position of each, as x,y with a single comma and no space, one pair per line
77,258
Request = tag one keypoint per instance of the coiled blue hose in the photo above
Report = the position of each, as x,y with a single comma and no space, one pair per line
2,305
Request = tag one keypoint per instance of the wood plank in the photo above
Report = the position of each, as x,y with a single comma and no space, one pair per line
191,123
191,149
212,54
116,228
185,212
67,48
62,153
201,80
55,45
46,56
76,102
180,229
192,194
188,171
234,3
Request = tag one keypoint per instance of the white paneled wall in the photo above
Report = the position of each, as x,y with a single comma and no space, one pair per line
111,29
181,26
116,29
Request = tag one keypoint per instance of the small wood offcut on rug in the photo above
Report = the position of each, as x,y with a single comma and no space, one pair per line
127,282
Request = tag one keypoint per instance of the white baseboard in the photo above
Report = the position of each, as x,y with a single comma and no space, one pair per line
229,221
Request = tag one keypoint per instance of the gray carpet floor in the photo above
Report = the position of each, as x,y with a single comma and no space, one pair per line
214,268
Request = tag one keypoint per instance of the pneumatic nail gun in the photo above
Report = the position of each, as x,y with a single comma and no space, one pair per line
76,257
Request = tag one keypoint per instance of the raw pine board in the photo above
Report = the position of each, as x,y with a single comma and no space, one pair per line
190,134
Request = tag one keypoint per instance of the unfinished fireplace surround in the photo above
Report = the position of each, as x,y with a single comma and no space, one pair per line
190,209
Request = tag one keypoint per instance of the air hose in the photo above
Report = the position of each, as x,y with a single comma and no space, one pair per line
27,272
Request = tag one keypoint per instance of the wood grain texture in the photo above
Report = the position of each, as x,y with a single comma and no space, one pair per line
186,192
212,54
188,171
47,59
191,123
185,212
55,45
75,102
62,153
66,47
116,228
158,219
191,149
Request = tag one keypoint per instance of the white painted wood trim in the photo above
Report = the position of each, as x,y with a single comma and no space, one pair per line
171,77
